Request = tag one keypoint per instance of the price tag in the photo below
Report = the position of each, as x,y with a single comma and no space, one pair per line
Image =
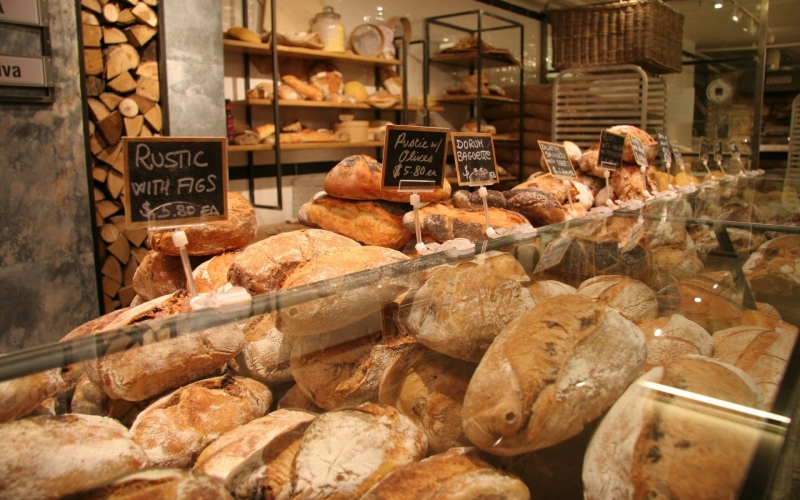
663,142
638,152
705,148
676,152
555,155
734,149
414,157
611,146
553,253
175,180
475,158
718,151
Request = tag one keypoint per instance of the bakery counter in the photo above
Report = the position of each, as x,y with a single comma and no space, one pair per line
610,356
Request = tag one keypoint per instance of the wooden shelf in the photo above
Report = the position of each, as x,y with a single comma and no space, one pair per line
472,99
262,49
305,145
500,59
333,105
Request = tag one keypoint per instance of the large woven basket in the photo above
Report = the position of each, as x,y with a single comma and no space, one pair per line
647,33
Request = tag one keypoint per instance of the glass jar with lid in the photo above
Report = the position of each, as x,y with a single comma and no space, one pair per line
330,29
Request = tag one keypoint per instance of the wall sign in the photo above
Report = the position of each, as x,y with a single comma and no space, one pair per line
555,155
23,12
26,71
475,158
611,146
175,180
413,157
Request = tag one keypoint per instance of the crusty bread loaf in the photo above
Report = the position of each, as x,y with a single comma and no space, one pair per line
263,266
89,399
460,310
652,444
236,445
163,484
71,374
330,313
633,299
49,457
466,199
22,395
671,264
671,338
310,92
213,274
650,144
176,428
544,289
266,351
444,222
358,177
762,353
344,453
540,208
549,373
699,301
296,399
744,241
215,237
456,473
158,274
771,269
142,372
429,387
375,223
629,183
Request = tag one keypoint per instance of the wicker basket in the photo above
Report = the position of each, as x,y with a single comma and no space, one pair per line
647,33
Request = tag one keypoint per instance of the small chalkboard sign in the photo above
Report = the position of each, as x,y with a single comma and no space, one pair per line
734,149
676,152
663,142
175,180
705,148
611,147
557,159
475,158
638,152
553,253
413,157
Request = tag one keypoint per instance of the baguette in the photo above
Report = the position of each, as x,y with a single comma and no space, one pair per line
310,92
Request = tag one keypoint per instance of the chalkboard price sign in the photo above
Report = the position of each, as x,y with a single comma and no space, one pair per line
175,180
475,159
718,151
663,142
705,148
638,151
553,253
676,152
555,155
413,157
734,149
611,146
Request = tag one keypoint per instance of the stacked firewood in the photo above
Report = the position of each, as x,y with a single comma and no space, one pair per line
123,94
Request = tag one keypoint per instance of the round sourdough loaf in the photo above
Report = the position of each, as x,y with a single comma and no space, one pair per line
671,338
158,274
344,453
236,445
20,396
163,484
347,306
358,177
457,473
762,353
375,223
549,373
296,399
143,371
263,266
652,444
460,310
176,428
49,457
215,237
212,274
429,387
544,289
633,299
266,351
444,222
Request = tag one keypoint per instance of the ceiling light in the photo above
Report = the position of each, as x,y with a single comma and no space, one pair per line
737,15
718,4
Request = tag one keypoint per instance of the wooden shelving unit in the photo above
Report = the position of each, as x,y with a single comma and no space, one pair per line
330,105
255,49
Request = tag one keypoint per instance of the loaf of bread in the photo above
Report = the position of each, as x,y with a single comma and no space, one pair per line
266,351
744,241
540,208
344,453
158,274
164,484
460,310
444,222
471,199
236,445
771,269
549,373
629,183
762,353
212,274
653,444
348,306
89,399
671,264
263,266
548,184
358,177
631,298
699,301
20,396
310,92
144,371
429,387
373,223
544,289
176,428
49,457
215,237
672,338
326,76
650,144
455,473
71,374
